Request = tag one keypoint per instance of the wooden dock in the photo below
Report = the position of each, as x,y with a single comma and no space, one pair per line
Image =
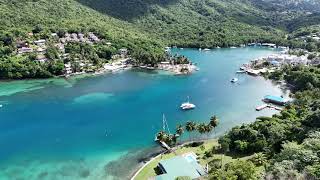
165,145
264,106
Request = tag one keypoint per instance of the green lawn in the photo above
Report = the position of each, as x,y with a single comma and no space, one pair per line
149,170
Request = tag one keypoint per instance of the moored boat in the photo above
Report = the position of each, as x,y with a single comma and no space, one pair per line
187,105
234,80
241,71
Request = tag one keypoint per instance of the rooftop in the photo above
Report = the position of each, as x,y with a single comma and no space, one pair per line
275,98
172,168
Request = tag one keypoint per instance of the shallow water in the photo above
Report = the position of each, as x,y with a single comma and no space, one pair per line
100,127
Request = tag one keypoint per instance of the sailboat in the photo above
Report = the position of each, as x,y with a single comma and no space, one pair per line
165,126
187,105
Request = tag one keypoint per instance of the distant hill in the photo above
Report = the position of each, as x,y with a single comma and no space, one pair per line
209,23
289,5
20,16
151,24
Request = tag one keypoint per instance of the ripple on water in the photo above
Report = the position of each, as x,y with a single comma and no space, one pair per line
13,87
92,98
89,169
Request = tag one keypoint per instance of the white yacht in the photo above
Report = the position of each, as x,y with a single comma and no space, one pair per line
187,105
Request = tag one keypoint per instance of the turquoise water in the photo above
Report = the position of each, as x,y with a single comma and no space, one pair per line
100,127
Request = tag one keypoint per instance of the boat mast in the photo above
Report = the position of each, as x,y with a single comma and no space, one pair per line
165,124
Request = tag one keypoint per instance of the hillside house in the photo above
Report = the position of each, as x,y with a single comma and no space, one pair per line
40,42
24,50
41,58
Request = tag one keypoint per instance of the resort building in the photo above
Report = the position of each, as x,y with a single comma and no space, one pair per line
21,44
269,45
68,69
24,50
40,42
275,100
41,50
185,165
280,59
123,52
41,58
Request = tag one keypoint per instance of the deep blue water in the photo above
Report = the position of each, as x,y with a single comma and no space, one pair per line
73,131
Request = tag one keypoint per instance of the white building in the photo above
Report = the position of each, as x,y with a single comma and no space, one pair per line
24,50
40,42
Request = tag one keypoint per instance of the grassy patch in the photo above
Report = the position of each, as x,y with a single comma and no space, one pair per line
149,170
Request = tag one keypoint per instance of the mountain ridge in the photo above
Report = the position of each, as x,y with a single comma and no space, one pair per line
189,23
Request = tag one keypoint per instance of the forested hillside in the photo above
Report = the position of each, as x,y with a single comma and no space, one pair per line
144,27
210,23
19,17
194,23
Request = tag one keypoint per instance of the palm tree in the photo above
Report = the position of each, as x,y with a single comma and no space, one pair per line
170,139
174,138
190,126
214,121
161,136
259,159
202,128
180,130
208,128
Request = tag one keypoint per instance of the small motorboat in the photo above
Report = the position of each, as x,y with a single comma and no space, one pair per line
234,80
187,105
206,49
241,71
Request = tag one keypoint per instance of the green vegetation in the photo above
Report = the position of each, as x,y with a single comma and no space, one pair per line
42,17
284,146
289,140
201,128
199,148
211,23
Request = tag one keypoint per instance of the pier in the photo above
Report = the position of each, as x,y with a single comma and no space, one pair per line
264,106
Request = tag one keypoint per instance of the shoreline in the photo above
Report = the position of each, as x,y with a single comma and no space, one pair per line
153,158
172,69
138,171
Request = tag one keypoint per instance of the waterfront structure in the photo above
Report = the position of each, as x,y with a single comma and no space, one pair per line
275,100
172,168
279,59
